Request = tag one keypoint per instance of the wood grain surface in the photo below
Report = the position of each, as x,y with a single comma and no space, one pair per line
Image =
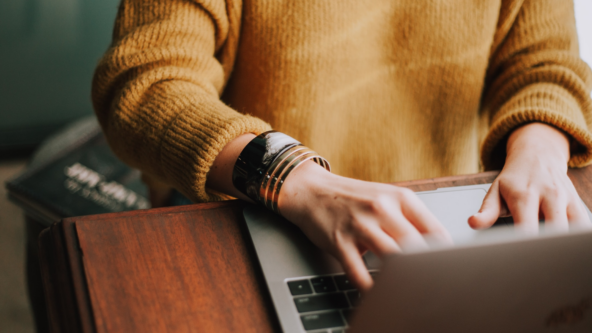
179,269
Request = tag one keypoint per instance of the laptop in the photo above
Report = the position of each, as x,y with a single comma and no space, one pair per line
491,280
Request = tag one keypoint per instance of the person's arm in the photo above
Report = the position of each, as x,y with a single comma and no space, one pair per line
537,96
156,95
156,91
342,216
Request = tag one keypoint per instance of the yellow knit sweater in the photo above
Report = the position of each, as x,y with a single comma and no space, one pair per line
385,90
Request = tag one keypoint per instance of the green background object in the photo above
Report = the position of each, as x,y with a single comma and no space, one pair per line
48,52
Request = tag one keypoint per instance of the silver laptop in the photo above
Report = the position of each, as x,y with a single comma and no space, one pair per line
490,281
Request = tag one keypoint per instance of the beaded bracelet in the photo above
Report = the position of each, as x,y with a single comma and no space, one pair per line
264,164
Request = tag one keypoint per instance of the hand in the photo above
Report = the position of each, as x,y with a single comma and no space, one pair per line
346,217
533,184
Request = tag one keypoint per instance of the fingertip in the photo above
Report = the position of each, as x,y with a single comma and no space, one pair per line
479,221
446,237
577,215
490,209
474,221
442,235
354,267
360,278
412,243
439,239
527,229
365,283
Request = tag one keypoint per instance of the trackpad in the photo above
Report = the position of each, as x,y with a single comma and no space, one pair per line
453,208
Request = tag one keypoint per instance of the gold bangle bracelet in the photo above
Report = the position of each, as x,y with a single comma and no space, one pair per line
285,161
279,171
271,172
286,168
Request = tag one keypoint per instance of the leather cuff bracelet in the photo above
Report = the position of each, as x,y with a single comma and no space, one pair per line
265,163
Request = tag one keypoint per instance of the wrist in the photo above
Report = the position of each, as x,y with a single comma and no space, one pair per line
301,186
261,169
539,139
219,177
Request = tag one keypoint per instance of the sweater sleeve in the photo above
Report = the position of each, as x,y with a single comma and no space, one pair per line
156,91
536,75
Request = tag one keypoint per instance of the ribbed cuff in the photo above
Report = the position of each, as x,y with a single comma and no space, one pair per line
546,103
195,138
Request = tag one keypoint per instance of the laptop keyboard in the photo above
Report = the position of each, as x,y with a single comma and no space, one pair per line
325,303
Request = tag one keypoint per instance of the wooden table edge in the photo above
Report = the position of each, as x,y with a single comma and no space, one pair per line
66,229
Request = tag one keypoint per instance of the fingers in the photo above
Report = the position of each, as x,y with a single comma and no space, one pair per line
554,208
353,265
390,233
415,211
577,214
398,226
490,209
557,203
525,208
403,232
377,241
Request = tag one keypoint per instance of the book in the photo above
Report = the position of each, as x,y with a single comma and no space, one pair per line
76,174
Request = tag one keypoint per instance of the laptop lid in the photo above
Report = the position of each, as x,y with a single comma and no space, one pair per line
538,284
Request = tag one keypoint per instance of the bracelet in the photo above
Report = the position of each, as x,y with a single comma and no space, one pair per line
265,163
255,159
270,193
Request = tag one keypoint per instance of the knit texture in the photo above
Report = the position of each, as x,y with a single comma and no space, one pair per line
385,90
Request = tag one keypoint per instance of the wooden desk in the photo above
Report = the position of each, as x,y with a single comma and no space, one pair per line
180,269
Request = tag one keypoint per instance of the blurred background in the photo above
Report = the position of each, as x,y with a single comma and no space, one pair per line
48,51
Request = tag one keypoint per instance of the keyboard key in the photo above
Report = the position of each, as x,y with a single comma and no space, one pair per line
343,282
322,320
301,287
347,314
321,302
354,298
323,284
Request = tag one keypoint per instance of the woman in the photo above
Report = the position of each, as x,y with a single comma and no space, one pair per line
384,90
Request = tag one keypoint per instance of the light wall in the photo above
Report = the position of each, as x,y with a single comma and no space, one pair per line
583,10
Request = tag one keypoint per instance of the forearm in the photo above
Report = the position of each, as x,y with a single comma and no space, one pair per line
156,92
535,75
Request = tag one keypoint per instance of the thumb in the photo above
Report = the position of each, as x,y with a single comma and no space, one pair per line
490,209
